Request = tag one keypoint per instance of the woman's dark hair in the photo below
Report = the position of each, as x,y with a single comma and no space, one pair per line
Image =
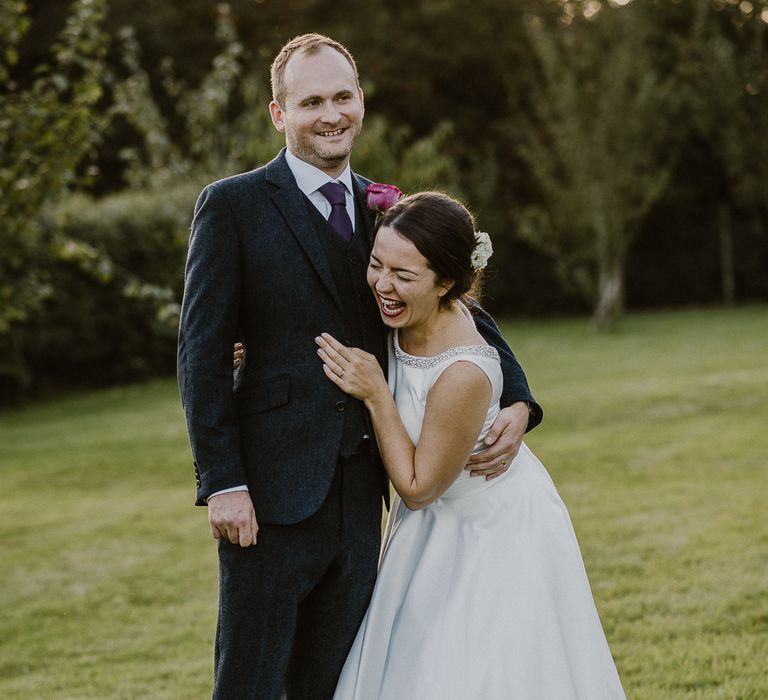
443,231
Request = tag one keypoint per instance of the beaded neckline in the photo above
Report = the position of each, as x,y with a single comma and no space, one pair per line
434,360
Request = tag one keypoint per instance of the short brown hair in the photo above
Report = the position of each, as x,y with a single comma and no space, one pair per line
309,44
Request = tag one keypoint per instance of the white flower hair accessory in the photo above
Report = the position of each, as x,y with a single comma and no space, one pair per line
483,250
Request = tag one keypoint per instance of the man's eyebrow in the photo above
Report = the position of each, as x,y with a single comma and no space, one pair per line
313,98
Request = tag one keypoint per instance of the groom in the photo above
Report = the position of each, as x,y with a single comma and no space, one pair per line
284,459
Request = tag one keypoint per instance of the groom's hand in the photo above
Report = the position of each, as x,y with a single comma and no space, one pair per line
503,440
231,516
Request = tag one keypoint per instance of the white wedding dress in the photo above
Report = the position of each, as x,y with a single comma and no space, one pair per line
483,594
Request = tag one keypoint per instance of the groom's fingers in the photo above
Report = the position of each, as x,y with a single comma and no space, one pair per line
231,516
246,534
254,529
491,472
224,532
488,456
242,536
499,455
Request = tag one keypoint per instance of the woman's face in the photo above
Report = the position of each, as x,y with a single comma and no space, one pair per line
406,289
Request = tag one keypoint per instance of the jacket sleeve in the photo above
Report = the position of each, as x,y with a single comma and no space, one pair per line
207,332
515,384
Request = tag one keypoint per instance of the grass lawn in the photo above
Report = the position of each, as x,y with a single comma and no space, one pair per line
657,437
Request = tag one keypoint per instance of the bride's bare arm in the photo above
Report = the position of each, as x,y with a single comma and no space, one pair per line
453,418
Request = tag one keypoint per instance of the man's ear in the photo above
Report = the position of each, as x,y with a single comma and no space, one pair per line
276,112
362,98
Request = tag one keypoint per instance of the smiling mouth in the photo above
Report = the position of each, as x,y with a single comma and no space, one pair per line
331,134
390,307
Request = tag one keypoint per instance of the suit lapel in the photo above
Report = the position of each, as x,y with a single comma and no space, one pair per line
365,214
290,201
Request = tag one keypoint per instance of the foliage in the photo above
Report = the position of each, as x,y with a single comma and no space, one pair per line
725,90
208,141
387,153
115,277
670,521
45,130
598,148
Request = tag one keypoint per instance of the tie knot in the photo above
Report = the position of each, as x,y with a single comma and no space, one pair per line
334,192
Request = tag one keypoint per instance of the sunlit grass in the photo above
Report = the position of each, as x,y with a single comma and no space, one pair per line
655,435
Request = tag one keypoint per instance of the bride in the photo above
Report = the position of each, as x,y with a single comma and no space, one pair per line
481,590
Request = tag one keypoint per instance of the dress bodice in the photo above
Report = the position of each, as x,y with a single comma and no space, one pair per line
411,377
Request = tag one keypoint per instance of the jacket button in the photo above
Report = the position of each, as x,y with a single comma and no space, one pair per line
339,406
354,260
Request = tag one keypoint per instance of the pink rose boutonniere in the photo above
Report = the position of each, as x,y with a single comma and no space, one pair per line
381,197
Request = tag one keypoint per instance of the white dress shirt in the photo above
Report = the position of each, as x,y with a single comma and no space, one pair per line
310,179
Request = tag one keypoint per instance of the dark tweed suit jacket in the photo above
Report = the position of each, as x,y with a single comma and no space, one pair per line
257,272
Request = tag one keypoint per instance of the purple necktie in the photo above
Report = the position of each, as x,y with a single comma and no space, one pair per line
334,192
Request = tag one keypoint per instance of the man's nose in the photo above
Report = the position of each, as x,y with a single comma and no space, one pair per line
330,113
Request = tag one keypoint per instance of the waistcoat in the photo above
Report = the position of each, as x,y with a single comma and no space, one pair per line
363,328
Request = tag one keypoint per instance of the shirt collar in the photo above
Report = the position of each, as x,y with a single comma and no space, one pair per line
310,179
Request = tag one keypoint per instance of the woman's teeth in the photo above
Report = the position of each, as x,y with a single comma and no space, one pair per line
391,307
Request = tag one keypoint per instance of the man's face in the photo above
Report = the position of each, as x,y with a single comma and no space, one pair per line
323,110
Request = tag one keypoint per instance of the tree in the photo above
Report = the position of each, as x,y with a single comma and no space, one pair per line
597,144
726,98
45,131
46,128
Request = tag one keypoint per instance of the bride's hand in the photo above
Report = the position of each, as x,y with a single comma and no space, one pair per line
354,371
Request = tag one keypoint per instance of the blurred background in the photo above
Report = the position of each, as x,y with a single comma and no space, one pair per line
616,151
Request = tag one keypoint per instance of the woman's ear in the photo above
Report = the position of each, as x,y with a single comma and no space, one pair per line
445,287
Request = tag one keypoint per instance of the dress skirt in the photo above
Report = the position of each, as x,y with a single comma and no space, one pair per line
482,595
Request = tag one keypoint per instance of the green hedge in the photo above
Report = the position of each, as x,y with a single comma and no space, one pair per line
113,269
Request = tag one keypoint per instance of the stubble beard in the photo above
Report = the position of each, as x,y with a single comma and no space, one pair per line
307,151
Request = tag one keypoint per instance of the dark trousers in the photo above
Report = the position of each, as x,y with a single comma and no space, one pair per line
290,606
